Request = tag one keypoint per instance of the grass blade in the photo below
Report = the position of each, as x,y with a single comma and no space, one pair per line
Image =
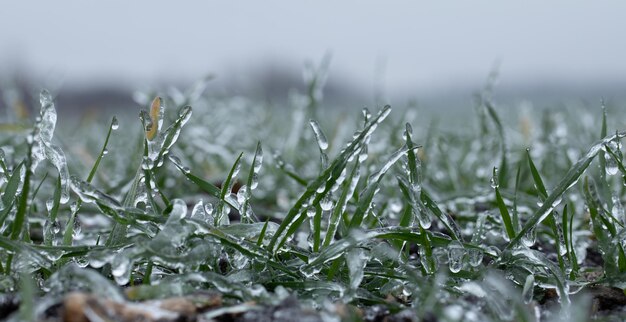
328,178
8,198
226,189
504,213
571,177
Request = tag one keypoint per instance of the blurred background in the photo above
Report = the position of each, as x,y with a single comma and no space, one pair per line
95,54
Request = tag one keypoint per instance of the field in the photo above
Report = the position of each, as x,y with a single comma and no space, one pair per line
223,209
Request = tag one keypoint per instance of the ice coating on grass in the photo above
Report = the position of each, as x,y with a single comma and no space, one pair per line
198,213
73,277
610,163
618,209
319,135
160,145
528,290
43,148
121,267
356,260
257,163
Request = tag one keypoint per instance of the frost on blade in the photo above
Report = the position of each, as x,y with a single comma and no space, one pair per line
42,143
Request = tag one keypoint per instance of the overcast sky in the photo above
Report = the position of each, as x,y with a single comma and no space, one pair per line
420,45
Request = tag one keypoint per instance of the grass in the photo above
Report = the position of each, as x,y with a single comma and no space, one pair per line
481,224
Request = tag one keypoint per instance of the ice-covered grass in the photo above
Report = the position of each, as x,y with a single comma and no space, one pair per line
357,215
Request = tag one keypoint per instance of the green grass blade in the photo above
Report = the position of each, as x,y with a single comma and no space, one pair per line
8,198
226,189
504,213
367,196
262,234
503,168
328,176
252,177
204,185
317,228
571,177
516,220
446,220
541,188
92,173
340,207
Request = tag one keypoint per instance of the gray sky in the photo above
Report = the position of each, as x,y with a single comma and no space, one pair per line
423,45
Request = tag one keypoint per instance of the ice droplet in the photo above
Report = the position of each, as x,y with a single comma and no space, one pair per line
529,237
121,268
618,209
494,179
611,164
243,194
258,159
115,124
475,257
326,203
456,253
319,135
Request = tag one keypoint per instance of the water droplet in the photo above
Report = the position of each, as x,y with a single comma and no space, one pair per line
319,135
494,179
115,124
105,151
258,159
49,204
78,228
326,203
147,163
618,209
56,227
529,237
121,268
254,183
475,256
456,253
611,164
243,194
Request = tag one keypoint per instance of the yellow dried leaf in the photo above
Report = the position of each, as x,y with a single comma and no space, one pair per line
155,109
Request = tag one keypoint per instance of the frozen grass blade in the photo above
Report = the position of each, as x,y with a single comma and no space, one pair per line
504,213
550,219
10,192
366,197
349,186
226,189
327,179
503,167
446,220
571,177
69,227
251,184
